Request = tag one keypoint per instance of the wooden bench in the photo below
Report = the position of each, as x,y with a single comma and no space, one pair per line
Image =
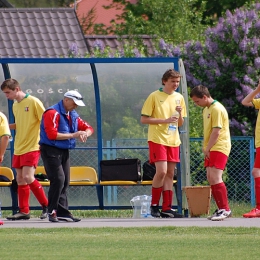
79,176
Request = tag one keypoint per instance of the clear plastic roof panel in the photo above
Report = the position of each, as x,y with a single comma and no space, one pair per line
114,90
123,90
122,87
49,82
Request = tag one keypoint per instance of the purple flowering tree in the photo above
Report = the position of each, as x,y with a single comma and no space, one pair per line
228,63
73,50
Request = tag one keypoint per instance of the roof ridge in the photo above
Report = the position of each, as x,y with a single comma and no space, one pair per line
37,9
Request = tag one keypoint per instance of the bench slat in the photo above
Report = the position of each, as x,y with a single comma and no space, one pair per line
111,183
79,176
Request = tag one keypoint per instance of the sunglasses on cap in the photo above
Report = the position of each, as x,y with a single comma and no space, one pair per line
78,98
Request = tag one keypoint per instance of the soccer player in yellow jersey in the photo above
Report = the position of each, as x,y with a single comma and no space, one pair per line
164,110
251,101
5,135
28,112
216,147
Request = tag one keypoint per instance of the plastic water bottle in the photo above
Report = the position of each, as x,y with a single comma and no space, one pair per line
145,207
173,126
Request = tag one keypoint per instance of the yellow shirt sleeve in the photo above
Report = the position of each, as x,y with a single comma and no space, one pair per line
4,125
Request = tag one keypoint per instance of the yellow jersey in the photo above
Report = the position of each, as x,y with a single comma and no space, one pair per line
4,125
28,114
162,105
216,116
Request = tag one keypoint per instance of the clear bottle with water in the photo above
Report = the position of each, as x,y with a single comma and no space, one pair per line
173,126
145,207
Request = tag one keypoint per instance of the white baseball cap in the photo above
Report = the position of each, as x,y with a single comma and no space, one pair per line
77,98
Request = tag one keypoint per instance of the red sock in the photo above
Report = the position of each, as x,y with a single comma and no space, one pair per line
156,195
257,192
23,198
221,199
39,193
214,195
167,200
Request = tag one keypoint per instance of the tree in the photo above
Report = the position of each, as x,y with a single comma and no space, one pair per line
228,63
131,129
214,9
174,21
217,67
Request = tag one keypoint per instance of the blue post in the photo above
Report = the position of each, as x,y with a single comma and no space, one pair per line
109,193
252,181
114,187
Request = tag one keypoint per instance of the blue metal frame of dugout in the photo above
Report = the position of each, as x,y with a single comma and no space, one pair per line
92,62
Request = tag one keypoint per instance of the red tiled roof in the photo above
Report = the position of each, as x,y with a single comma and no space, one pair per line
103,16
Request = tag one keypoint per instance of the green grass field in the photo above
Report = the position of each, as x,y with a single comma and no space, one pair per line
129,243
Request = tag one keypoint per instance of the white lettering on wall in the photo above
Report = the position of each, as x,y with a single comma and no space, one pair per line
50,91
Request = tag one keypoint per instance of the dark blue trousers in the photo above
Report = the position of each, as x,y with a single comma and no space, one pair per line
57,166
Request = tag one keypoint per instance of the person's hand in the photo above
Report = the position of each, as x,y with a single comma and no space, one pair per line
81,135
206,153
83,138
1,158
171,119
178,109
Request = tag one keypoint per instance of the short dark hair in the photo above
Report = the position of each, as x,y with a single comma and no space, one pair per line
170,73
10,84
200,91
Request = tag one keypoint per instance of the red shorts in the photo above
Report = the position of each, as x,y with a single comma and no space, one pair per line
217,160
257,158
159,152
27,159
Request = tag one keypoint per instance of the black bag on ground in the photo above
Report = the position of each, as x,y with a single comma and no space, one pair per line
148,171
121,170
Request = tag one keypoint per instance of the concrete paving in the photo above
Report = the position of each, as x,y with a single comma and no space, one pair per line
130,222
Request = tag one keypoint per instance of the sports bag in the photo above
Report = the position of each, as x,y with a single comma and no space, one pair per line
121,169
149,171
